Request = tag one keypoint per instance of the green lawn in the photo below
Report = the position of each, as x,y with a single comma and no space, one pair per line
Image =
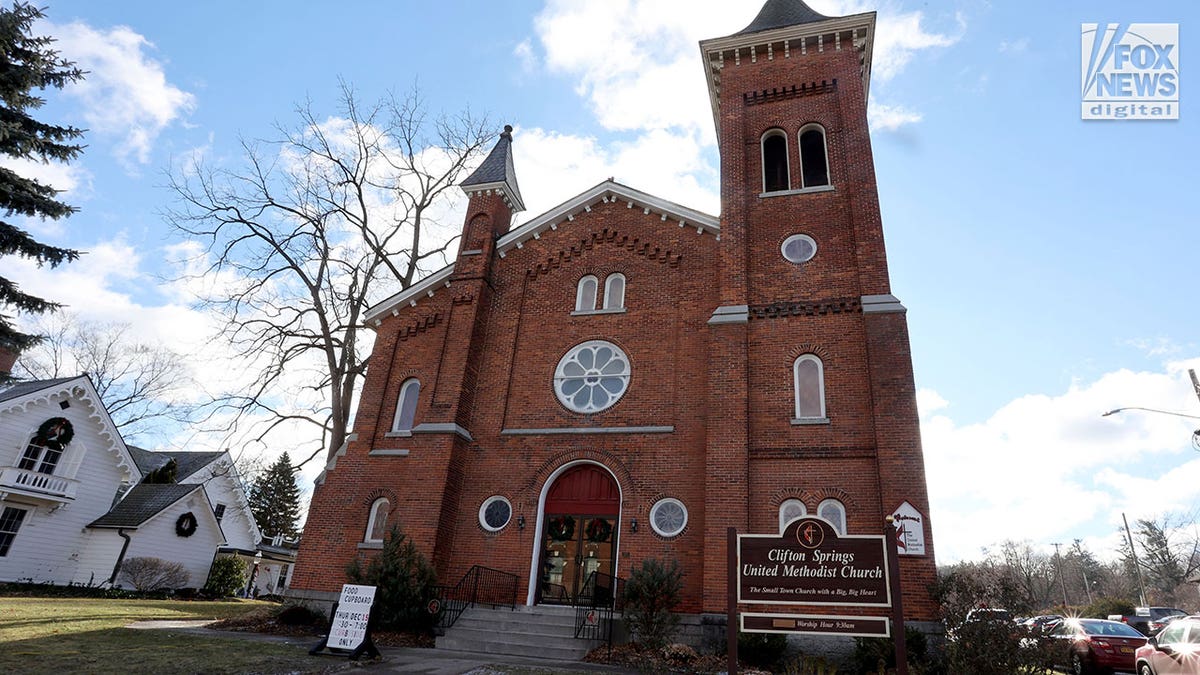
75,635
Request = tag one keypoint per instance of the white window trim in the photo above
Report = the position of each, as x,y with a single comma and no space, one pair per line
654,523
367,539
587,312
408,384
783,519
579,307
801,419
559,377
787,160
609,306
783,248
483,509
824,145
841,507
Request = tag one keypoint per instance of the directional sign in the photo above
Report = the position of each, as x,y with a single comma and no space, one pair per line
350,621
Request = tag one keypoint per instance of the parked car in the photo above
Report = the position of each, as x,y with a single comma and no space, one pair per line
1142,616
1040,625
1174,651
1095,645
1157,625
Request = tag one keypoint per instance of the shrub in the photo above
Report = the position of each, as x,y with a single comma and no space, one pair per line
873,655
404,584
151,574
226,577
762,650
989,644
299,615
1102,607
650,594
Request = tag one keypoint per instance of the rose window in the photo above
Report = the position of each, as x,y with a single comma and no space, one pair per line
592,376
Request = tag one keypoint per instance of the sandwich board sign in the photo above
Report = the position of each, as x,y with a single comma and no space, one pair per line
349,625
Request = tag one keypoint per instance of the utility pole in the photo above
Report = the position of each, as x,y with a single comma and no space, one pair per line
1137,566
1061,579
1195,382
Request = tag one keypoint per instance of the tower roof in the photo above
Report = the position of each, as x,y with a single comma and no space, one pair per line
497,171
780,14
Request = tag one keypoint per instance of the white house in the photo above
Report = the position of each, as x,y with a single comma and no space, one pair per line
73,506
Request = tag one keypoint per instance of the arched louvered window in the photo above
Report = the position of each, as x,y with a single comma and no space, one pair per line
814,156
377,522
775,161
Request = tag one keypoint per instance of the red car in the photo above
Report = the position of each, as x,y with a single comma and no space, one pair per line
1096,645
1174,651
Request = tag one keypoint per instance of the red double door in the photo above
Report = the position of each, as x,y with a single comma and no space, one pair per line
579,532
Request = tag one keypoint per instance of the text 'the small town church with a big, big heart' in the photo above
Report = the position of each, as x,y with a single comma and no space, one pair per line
623,377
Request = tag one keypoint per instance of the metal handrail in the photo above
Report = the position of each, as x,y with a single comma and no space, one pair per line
479,586
601,596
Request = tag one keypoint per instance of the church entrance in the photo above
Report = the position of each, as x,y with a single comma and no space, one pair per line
579,536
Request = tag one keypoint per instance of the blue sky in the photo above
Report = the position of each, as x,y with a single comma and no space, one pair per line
1049,264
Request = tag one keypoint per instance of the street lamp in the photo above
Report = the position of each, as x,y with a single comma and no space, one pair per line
1195,434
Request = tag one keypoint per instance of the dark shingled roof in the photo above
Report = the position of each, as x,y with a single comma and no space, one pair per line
142,503
782,13
498,168
187,463
21,388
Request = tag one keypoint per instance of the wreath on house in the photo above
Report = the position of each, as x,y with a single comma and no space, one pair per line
598,530
55,432
562,528
186,525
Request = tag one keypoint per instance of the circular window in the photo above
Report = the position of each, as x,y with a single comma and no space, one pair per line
668,517
495,513
592,376
799,248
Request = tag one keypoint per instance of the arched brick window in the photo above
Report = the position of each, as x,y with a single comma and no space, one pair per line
790,510
833,511
775,161
585,294
614,291
406,405
809,381
377,522
814,157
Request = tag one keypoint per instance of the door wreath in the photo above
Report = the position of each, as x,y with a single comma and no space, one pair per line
186,525
561,528
598,530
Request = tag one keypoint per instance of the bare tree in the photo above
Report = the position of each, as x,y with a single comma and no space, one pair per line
143,384
316,226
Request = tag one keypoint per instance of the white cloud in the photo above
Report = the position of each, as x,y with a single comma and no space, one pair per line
125,92
638,65
1042,454
883,117
1017,46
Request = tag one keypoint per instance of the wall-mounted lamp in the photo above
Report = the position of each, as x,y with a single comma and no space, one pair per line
520,522
633,525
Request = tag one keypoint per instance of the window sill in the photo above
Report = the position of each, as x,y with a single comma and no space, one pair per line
388,453
398,434
805,421
802,191
371,545
588,312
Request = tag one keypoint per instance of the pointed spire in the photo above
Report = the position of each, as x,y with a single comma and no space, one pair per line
497,171
781,13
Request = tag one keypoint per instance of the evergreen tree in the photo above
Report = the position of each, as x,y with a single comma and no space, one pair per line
275,499
28,65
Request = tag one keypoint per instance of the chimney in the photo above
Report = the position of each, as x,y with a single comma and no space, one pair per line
8,359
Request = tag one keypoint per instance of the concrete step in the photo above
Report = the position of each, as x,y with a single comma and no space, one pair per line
546,632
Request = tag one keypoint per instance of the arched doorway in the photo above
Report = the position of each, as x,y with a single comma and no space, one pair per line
579,533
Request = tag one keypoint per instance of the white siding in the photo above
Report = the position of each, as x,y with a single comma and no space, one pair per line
156,538
224,487
52,539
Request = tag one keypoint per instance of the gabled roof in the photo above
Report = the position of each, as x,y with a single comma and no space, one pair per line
22,388
142,503
782,13
497,171
24,394
187,463
610,191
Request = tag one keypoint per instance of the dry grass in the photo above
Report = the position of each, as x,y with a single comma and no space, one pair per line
75,635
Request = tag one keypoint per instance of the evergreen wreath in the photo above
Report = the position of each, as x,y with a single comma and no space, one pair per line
186,525
562,528
598,530
55,432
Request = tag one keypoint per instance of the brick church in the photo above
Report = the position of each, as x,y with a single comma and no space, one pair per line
622,377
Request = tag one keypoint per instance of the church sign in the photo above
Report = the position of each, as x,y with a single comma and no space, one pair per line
810,564
910,530
816,624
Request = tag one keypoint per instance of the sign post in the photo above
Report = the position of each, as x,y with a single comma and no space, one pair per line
731,631
898,634
350,624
